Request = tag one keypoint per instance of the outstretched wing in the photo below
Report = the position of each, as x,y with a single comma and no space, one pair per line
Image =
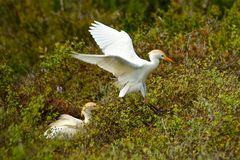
113,42
114,64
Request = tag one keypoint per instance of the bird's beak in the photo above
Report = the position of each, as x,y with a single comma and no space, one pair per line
168,59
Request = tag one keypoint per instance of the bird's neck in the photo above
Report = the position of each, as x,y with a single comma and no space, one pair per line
87,117
154,61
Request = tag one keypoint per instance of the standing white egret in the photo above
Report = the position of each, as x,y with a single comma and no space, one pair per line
67,126
120,58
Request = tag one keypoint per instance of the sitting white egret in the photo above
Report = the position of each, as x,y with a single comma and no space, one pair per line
120,58
67,126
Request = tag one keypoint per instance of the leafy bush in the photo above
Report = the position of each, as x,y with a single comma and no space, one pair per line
192,109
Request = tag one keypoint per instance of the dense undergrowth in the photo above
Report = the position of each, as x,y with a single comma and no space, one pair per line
193,106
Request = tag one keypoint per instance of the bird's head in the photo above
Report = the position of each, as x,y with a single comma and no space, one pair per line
158,54
88,107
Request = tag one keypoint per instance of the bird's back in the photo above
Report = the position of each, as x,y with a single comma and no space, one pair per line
67,120
65,127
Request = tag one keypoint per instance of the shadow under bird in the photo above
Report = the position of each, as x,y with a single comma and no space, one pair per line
120,58
68,126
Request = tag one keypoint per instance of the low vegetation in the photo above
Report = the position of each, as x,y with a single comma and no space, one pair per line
193,105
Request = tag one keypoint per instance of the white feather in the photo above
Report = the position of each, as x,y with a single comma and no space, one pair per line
113,42
120,58
67,126
118,66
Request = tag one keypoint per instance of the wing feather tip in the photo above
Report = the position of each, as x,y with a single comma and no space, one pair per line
74,54
97,22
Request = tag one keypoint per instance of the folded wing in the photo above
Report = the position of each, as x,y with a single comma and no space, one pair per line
65,127
60,132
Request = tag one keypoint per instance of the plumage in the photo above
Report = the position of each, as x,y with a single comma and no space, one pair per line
67,126
114,43
120,58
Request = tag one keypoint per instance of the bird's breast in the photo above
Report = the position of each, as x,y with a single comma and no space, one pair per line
147,69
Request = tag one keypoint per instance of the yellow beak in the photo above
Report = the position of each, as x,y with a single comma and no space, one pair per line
168,59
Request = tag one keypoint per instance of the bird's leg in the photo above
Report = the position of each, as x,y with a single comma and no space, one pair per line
145,101
124,90
122,99
143,89
152,107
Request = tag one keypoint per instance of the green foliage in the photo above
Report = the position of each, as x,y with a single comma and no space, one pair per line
192,109
228,36
32,113
6,83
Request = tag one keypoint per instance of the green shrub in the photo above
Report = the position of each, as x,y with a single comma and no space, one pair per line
192,105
